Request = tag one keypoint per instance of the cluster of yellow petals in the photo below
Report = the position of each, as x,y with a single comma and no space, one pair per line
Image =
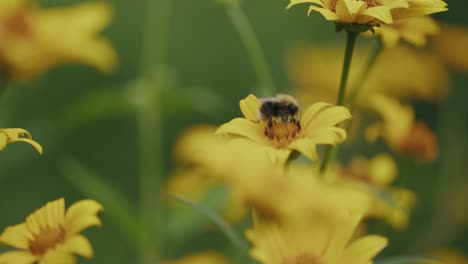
51,234
321,241
372,12
374,177
11,135
35,39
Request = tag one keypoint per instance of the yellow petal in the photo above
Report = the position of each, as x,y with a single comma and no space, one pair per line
55,256
312,112
382,13
305,146
278,155
79,245
81,215
17,257
17,236
243,127
390,36
342,234
329,15
296,2
354,7
11,135
327,117
395,3
364,249
249,107
327,135
55,212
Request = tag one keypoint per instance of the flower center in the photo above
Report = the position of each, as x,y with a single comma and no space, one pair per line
303,258
420,142
281,131
16,25
47,239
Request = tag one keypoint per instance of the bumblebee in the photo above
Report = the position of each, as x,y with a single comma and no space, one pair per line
281,114
281,107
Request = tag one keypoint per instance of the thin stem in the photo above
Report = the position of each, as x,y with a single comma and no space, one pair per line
149,121
350,42
253,48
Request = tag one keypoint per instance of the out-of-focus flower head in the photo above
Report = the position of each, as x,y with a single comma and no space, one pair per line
33,39
400,130
51,234
320,241
11,135
373,178
414,30
255,182
452,46
402,72
209,257
371,12
279,136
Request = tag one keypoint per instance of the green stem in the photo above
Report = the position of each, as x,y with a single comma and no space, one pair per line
252,46
149,123
350,42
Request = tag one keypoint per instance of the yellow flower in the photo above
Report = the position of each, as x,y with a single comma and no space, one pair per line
400,130
51,235
452,46
371,12
209,257
35,39
280,136
11,135
320,241
414,30
401,72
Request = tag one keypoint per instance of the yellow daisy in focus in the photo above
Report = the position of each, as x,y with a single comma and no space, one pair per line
281,133
414,30
11,135
51,235
35,39
318,242
372,12
209,257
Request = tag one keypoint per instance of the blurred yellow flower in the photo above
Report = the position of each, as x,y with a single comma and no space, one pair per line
400,130
209,257
51,235
371,12
11,135
414,30
452,46
392,204
35,39
318,242
402,72
283,136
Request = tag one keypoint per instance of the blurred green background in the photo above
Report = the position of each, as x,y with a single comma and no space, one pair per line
76,112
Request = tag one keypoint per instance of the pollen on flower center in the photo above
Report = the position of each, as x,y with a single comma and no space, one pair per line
282,131
303,258
17,24
47,239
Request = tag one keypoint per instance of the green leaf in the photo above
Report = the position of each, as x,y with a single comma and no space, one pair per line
120,211
408,260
